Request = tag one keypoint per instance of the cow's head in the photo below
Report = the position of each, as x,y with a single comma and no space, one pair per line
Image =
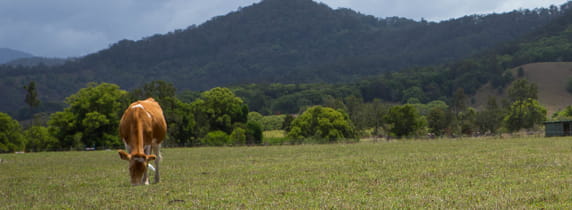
137,165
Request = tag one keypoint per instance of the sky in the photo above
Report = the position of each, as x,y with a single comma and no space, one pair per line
72,28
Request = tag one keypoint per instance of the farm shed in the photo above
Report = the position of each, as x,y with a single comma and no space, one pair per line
558,128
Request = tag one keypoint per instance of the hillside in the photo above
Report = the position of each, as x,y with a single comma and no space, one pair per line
276,41
7,55
551,78
36,61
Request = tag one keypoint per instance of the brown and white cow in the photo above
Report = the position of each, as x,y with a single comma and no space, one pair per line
142,129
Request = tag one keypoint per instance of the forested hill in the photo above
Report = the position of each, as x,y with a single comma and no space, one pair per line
276,41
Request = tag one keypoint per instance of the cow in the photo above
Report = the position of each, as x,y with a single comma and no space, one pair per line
142,129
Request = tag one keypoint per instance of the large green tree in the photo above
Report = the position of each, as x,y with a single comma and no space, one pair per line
524,114
405,120
218,109
11,138
322,123
92,117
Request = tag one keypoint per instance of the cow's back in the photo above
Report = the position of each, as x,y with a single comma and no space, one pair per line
149,113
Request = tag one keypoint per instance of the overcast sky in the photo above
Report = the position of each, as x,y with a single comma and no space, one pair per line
69,28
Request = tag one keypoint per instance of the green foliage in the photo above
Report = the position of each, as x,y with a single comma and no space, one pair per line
521,90
32,95
238,136
216,138
222,109
490,119
405,120
181,122
266,45
524,114
467,121
564,114
438,120
253,133
322,123
11,138
287,124
39,139
272,122
158,89
91,119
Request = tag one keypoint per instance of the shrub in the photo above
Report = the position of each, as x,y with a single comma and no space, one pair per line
253,133
215,138
238,136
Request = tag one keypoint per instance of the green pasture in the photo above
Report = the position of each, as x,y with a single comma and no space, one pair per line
463,173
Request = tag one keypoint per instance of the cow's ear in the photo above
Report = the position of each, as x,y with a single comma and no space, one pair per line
123,155
151,157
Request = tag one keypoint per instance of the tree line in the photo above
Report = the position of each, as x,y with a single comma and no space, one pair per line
219,117
301,41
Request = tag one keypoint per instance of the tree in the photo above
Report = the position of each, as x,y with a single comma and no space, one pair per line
158,89
490,119
322,123
438,121
459,101
405,120
521,90
39,139
32,95
524,114
92,118
218,109
253,133
287,124
11,138
377,111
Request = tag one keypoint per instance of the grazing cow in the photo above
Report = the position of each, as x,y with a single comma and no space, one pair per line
142,129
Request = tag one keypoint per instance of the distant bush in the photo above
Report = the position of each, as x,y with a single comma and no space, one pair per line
215,138
253,133
238,136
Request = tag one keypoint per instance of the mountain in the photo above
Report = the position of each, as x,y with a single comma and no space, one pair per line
36,61
277,41
7,55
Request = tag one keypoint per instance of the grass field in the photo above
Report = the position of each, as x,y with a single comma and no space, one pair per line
468,173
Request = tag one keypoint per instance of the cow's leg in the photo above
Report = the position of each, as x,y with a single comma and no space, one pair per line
145,180
157,152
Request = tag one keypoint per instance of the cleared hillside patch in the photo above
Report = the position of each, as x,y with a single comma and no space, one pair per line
551,78
467,173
